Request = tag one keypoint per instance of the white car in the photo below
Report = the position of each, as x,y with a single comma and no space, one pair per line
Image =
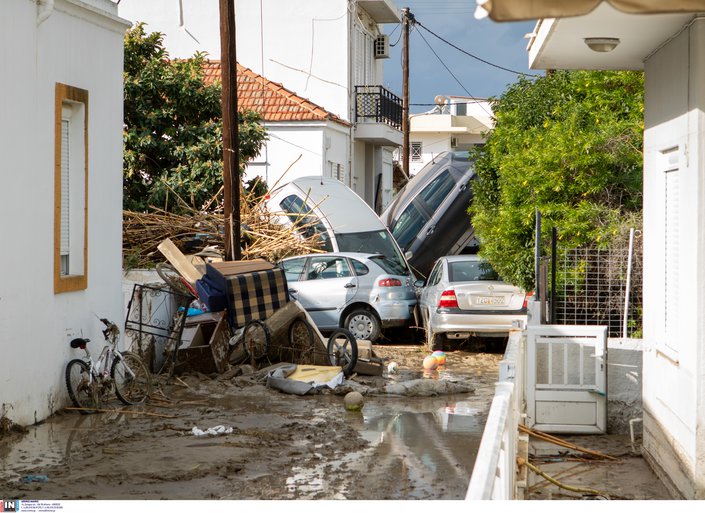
329,208
464,296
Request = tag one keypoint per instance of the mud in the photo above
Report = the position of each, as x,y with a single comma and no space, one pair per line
282,446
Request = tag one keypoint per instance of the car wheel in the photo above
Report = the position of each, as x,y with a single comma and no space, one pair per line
363,324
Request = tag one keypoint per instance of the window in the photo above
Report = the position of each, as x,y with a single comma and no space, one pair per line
372,242
326,267
408,226
471,271
461,109
438,190
416,150
337,171
70,189
301,215
360,268
672,238
293,268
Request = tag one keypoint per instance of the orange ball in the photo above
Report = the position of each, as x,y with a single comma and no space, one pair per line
430,363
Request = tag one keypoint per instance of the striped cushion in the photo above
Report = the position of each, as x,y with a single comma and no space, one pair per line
256,295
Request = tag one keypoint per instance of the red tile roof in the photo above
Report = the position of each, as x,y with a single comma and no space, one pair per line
273,101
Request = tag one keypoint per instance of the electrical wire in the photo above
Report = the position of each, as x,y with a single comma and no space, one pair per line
453,75
521,73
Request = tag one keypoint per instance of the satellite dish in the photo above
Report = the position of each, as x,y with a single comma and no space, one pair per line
440,100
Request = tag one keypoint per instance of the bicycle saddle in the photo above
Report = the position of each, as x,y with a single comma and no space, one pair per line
80,342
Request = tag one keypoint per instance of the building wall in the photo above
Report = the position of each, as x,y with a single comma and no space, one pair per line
304,149
78,47
674,280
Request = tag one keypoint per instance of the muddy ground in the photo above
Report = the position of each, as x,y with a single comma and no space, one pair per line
282,446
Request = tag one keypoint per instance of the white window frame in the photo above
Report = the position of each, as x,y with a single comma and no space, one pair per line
416,151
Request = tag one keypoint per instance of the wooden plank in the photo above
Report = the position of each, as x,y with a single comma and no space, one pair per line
182,264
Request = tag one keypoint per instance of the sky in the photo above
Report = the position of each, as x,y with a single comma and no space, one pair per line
500,43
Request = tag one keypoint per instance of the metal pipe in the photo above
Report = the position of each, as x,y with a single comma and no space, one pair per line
629,283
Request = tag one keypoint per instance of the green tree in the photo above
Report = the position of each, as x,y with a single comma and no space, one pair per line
568,144
173,128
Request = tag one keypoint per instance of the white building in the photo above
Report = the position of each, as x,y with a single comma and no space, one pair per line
327,51
61,201
670,48
456,123
302,137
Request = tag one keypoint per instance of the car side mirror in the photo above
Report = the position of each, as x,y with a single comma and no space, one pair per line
419,283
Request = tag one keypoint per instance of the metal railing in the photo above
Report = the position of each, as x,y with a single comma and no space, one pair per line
375,104
494,476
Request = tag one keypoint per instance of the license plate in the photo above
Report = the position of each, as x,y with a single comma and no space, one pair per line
490,300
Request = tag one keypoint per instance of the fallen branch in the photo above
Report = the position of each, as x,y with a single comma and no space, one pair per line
576,489
563,443
149,414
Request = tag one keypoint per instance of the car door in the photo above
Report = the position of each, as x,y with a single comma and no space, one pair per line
326,286
430,293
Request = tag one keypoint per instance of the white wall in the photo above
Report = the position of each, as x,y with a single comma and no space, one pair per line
304,149
674,292
82,49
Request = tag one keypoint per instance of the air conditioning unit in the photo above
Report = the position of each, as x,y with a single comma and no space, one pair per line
453,142
382,47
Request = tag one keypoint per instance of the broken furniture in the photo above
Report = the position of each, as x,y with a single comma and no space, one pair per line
204,344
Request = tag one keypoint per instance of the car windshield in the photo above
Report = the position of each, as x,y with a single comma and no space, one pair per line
471,270
372,242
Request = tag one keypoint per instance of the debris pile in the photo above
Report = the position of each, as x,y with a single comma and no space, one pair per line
264,235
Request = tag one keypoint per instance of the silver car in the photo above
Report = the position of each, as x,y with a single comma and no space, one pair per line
464,296
358,291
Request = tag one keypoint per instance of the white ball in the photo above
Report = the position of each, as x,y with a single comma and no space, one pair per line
353,401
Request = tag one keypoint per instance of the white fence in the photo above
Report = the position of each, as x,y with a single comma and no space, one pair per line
495,475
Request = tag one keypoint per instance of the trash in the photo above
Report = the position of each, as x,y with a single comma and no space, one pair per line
302,379
354,401
393,368
34,479
427,387
213,431
440,356
430,363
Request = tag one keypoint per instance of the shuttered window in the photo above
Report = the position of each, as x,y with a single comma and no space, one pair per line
672,254
70,189
65,196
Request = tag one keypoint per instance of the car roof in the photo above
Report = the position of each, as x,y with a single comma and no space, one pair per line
359,256
461,258
345,211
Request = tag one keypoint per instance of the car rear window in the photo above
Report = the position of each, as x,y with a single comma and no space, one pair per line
471,270
438,190
360,268
388,266
372,242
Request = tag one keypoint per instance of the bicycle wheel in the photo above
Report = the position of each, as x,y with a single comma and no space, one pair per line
171,277
342,350
133,382
82,390
256,340
302,342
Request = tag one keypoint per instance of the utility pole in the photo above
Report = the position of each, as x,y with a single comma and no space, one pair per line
407,20
231,157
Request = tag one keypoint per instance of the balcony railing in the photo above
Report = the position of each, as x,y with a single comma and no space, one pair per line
374,104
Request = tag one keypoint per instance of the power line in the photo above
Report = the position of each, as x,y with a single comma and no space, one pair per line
452,74
471,55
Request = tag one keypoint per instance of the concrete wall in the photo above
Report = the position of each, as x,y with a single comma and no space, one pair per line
674,277
81,47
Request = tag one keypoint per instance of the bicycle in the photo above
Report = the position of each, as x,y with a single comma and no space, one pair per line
89,382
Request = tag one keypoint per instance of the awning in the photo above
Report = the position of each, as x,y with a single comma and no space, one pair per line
515,10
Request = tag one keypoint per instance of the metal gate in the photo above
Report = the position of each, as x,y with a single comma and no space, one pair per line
567,378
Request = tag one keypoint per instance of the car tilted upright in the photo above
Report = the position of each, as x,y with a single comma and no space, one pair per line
363,293
464,296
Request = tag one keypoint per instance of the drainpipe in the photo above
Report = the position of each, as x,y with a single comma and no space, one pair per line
44,9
